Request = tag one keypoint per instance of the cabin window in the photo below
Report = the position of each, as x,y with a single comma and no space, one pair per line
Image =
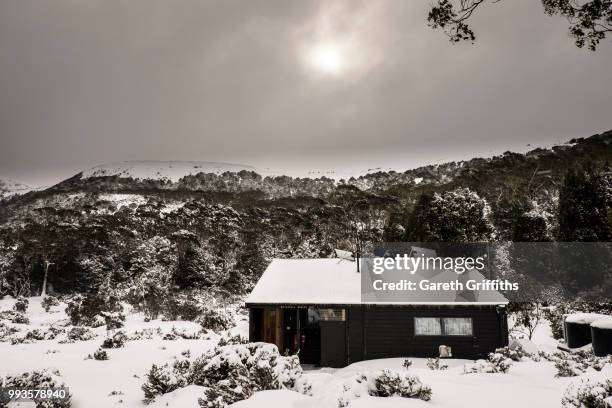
332,314
427,326
447,326
457,326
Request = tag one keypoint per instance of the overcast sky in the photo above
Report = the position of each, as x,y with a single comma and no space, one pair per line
284,84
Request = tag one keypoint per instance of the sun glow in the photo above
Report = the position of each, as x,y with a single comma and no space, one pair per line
327,58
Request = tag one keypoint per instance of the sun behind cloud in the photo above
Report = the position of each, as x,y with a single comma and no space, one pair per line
327,58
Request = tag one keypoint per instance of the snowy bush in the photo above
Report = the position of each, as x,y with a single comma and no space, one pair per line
14,317
182,306
100,354
385,383
43,379
228,339
229,373
514,354
588,395
226,392
146,334
113,320
78,334
164,379
48,302
35,334
495,363
574,364
434,364
215,319
21,304
6,331
407,363
87,310
555,316
116,341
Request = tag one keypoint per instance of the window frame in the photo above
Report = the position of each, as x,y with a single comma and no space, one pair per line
427,335
442,326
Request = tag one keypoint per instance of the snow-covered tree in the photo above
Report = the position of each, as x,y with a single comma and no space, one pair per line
459,215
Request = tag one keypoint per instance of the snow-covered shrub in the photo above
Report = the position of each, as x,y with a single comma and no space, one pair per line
228,339
226,392
48,302
215,319
588,395
146,334
385,383
78,334
113,320
166,378
53,332
182,306
555,316
514,354
6,331
407,363
21,319
495,363
32,336
87,310
14,317
116,341
21,304
100,354
251,367
434,364
43,379
35,334
566,368
185,333
82,310
574,364
500,363
394,383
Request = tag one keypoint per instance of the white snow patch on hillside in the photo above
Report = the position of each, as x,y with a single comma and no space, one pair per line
162,170
10,188
172,207
123,200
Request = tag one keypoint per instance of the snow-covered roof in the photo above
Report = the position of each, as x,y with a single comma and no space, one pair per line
604,323
584,318
334,281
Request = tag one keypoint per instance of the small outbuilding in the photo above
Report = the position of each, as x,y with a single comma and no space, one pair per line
314,307
601,334
577,328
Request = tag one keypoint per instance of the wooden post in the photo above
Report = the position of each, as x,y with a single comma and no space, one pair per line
279,330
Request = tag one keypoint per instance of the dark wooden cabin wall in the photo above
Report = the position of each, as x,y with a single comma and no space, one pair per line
388,331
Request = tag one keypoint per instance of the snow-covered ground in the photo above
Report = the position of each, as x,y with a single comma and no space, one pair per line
117,381
96,383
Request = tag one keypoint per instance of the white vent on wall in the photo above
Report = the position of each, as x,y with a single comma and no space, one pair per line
445,351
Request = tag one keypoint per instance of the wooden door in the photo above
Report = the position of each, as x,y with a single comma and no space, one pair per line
273,327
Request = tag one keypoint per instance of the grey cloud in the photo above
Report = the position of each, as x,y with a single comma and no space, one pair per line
88,82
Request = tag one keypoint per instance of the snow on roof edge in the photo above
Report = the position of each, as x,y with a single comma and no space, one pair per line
299,286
